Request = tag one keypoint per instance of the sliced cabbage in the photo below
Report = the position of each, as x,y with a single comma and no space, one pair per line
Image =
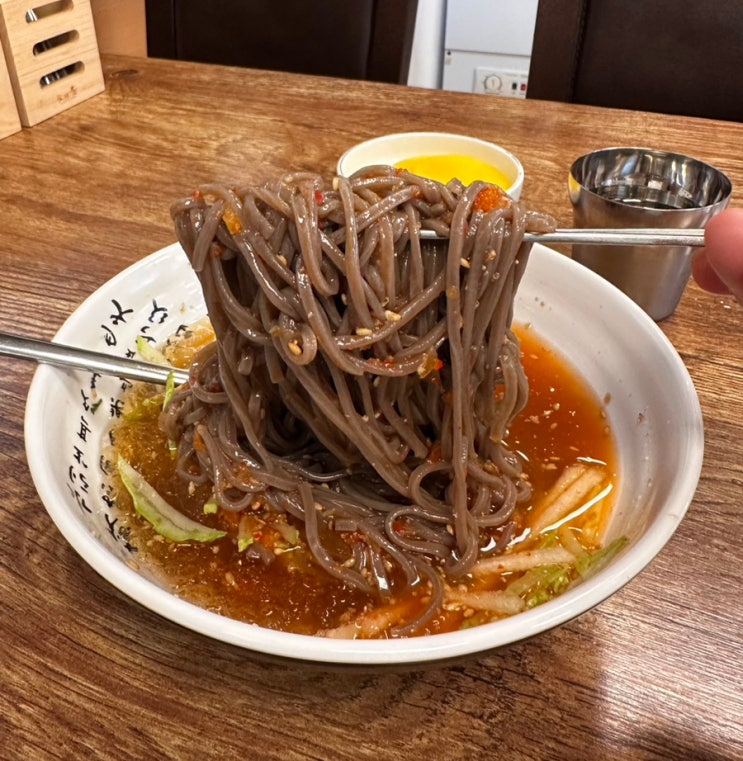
165,519
169,389
594,562
149,353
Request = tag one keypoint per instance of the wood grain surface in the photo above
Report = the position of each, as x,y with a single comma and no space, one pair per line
653,673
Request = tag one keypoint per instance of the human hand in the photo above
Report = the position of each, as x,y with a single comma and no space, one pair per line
718,267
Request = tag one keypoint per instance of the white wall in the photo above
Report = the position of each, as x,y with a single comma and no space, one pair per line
428,44
457,42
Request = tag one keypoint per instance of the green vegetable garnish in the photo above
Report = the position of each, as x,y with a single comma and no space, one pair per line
541,584
545,582
149,353
289,533
243,542
592,563
165,519
169,389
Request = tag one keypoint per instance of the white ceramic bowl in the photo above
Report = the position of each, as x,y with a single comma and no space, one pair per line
658,429
389,149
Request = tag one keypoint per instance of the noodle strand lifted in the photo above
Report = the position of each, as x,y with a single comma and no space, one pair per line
363,378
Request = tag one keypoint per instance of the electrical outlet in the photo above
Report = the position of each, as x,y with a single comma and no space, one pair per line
508,84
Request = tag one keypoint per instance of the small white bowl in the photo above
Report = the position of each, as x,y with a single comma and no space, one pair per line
389,149
657,428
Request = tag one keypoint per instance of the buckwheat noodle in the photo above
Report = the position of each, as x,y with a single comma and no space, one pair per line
362,379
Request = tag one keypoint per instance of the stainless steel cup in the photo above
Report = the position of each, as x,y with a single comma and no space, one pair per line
639,187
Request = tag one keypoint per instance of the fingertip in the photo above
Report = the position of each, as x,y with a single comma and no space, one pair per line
705,276
723,253
723,239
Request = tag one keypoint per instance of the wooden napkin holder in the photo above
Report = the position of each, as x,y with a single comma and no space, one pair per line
10,122
52,55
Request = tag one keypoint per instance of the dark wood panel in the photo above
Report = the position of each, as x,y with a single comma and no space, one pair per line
359,39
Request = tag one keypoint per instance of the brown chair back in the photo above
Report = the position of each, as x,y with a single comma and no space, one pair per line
355,39
652,55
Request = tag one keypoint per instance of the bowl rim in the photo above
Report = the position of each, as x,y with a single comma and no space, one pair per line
393,137
407,652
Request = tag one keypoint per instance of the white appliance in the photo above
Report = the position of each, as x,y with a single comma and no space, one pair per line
487,46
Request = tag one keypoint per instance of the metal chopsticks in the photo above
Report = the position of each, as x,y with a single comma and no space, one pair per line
622,237
132,369
83,359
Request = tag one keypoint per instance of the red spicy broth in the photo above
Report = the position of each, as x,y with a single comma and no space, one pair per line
563,422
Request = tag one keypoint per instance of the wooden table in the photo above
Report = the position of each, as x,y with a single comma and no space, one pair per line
655,672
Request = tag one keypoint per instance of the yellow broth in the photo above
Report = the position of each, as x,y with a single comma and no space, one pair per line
448,167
